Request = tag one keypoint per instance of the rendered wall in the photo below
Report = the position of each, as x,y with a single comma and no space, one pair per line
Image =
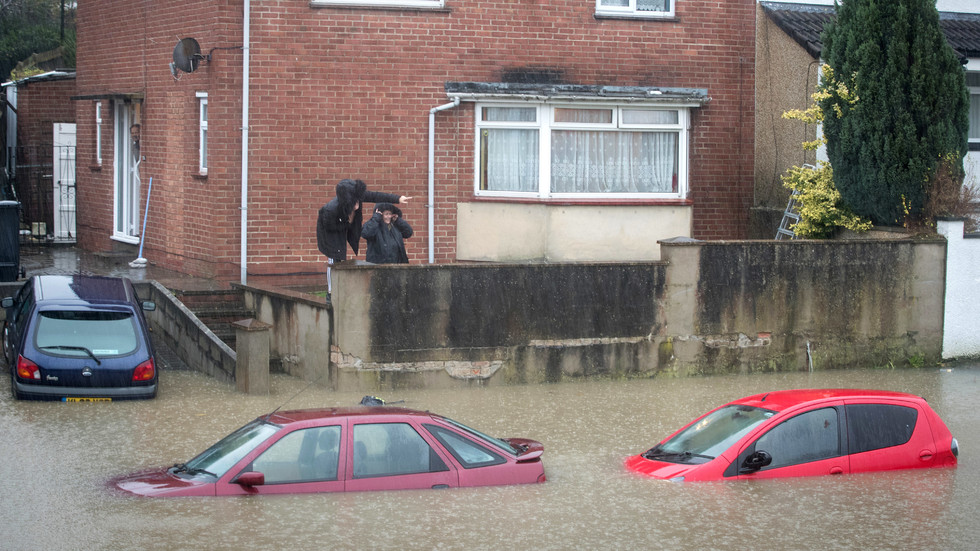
960,337
707,308
300,334
506,232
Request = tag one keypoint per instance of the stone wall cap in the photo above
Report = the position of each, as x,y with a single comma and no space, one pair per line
251,324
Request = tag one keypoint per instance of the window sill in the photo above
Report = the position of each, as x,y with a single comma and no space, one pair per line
200,175
634,17
95,167
592,201
390,7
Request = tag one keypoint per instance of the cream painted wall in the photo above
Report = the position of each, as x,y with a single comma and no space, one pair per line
518,232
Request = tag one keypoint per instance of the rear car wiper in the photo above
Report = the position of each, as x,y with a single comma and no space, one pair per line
67,347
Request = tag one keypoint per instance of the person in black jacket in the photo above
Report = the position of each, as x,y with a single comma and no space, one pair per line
385,233
339,221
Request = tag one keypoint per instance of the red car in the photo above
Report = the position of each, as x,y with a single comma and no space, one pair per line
344,450
803,433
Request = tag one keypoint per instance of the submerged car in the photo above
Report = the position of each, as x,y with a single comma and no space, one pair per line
803,433
344,450
78,337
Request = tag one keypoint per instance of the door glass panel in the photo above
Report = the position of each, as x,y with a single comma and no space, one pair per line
807,437
385,449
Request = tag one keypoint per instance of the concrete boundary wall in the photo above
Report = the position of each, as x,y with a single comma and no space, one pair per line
960,336
190,339
300,334
707,308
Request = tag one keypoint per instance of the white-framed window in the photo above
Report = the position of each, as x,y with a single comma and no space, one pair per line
973,86
381,3
635,8
566,150
202,98
98,133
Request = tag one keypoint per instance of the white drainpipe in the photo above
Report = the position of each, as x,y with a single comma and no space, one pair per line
432,172
244,208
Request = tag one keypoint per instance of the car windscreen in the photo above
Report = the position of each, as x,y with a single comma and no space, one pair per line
79,332
222,456
710,436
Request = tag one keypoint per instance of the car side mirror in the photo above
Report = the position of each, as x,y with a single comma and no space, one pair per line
251,478
7,302
755,461
149,305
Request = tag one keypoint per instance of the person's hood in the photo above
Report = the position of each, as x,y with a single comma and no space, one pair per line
388,206
349,192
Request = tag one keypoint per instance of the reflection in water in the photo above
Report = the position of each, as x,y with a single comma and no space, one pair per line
57,457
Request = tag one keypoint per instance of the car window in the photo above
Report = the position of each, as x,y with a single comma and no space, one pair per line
383,449
24,299
809,436
301,456
876,426
468,453
104,333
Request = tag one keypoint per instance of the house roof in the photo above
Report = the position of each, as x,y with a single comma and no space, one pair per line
804,23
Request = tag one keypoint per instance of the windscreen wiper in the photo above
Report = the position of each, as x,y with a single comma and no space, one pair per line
67,347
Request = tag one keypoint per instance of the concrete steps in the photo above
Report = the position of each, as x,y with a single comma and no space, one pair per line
217,309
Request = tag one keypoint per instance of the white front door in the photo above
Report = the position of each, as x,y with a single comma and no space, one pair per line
126,181
63,175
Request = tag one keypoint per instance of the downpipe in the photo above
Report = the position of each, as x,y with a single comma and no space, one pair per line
432,169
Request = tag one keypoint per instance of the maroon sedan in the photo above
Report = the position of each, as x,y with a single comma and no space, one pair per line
803,433
345,450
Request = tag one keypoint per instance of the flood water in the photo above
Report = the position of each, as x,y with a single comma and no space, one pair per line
57,456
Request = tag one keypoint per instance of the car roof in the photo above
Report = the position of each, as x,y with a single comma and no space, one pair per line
300,415
784,399
91,289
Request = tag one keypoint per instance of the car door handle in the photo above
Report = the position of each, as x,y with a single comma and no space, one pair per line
836,470
925,455
440,486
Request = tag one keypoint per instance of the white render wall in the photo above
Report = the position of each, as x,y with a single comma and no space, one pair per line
960,335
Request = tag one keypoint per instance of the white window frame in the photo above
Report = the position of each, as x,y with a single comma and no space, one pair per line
974,95
380,3
545,123
631,10
98,133
202,135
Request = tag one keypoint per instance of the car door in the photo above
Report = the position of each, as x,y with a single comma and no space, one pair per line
394,456
304,460
17,318
888,436
809,443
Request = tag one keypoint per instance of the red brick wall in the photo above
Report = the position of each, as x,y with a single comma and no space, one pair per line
346,92
40,104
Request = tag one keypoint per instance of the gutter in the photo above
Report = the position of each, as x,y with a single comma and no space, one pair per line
432,170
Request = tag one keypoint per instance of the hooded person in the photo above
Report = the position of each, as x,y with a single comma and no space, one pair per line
385,234
339,221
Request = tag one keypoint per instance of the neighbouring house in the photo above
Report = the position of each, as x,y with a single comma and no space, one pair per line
788,47
545,131
39,153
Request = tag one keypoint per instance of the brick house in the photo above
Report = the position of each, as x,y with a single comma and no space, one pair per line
644,108
39,151
787,68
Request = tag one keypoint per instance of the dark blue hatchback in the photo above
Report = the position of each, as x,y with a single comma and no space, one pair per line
79,338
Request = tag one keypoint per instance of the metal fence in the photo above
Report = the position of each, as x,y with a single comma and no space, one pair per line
30,179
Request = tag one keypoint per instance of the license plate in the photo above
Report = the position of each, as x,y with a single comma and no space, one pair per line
85,399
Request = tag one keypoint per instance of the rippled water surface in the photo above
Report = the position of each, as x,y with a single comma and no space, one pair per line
56,458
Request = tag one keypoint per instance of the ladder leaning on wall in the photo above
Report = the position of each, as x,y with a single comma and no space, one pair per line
790,217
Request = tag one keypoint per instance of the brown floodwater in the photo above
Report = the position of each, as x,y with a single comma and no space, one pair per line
55,458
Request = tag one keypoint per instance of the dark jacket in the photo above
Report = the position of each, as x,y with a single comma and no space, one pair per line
386,243
333,230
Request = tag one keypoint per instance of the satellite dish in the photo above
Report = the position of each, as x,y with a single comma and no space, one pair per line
187,55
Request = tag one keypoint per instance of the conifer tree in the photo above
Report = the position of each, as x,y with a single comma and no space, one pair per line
911,111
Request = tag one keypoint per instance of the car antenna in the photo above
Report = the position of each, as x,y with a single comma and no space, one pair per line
764,397
291,398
